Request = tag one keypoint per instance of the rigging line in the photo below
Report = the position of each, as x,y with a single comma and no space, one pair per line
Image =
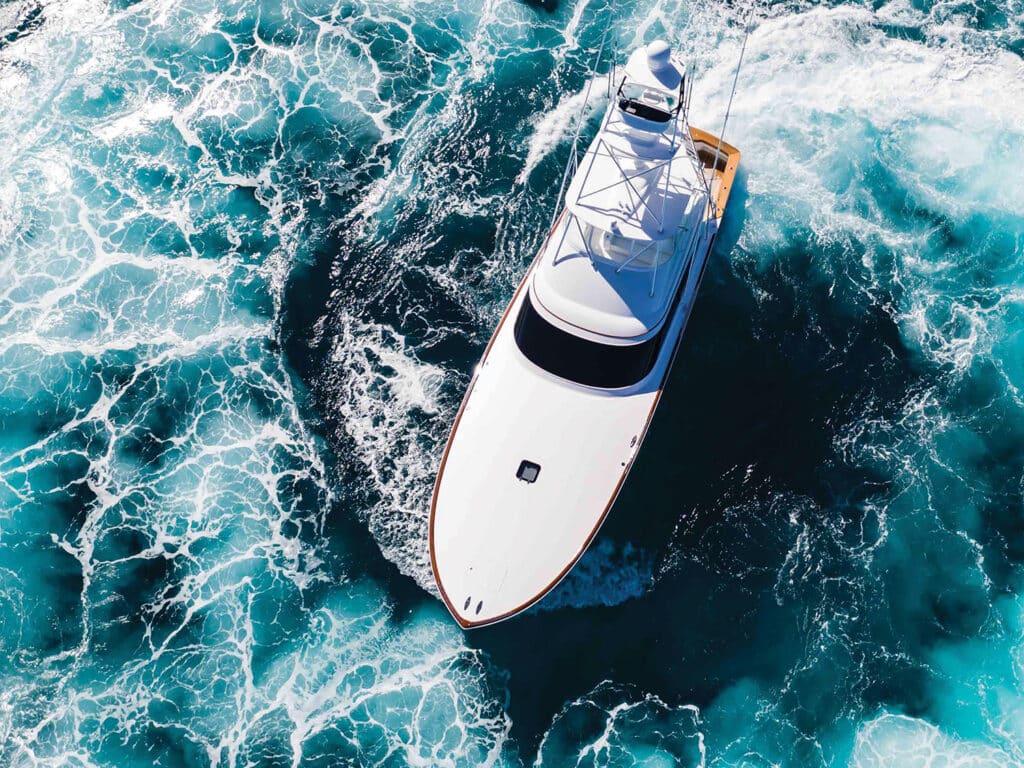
698,164
636,255
581,118
728,108
629,183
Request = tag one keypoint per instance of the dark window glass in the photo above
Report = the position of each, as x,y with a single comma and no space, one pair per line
580,360
646,111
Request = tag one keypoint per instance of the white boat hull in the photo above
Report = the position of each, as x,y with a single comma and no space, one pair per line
499,543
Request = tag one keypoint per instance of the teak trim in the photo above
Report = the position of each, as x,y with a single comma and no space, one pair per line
727,176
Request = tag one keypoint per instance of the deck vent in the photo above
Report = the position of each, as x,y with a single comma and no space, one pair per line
528,471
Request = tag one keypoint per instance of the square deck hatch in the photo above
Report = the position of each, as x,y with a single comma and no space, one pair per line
528,471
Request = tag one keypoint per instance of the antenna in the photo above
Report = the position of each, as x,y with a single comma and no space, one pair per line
728,108
692,69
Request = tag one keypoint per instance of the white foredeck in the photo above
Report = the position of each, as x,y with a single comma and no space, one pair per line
498,541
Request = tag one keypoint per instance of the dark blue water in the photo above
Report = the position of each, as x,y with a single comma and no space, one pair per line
251,251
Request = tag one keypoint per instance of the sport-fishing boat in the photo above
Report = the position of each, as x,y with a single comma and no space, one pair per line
567,387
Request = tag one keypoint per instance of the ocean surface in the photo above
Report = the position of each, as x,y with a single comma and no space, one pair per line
250,251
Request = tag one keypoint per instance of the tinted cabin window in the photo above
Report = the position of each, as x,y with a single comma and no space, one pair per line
585,362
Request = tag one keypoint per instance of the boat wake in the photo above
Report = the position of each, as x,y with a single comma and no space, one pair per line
390,404
607,574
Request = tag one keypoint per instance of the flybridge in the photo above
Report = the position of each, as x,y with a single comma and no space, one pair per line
633,212
642,178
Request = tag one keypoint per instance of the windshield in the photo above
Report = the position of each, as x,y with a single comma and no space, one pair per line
624,252
652,97
585,362
647,103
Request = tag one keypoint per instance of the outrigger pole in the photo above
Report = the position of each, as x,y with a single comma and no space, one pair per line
728,108
580,119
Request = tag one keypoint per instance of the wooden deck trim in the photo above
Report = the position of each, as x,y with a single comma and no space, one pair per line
726,177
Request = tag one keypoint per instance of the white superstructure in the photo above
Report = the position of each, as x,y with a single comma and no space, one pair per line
567,387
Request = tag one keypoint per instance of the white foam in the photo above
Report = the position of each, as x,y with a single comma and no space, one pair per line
101,326
825,93
417,692
136,121
383,393
898,741
551,127
10,209
613,724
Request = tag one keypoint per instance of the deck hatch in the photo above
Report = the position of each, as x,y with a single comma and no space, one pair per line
528,471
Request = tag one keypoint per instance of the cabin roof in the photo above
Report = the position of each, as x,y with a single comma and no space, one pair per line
587,286
613,262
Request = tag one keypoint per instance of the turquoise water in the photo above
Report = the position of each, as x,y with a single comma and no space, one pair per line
250,253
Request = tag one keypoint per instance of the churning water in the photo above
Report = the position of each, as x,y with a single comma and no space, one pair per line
250,251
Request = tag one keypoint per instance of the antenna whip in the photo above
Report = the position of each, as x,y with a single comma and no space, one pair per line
735,79
582,117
